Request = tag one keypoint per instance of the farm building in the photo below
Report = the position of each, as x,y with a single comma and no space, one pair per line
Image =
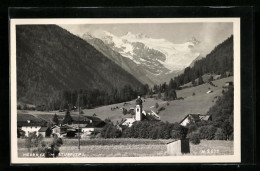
193,118
30,126
93,127
228,84
210,91
178,147
45,131
128,122
63,130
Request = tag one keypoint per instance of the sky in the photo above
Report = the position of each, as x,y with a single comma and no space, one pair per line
209,34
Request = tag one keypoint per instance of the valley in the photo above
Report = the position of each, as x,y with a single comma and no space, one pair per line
174,112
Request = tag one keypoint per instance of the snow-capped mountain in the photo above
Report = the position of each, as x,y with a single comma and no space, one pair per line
173,57
158,57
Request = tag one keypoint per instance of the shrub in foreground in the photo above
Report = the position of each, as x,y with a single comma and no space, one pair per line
194,138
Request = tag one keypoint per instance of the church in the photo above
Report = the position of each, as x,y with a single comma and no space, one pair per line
140,114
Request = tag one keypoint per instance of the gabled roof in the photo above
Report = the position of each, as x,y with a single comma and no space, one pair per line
194,116
204,117
96,124
43,129
31,123
55,126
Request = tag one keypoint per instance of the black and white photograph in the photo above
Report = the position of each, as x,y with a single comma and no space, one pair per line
133,90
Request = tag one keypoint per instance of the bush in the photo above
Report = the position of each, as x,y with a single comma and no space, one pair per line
53,149
192,127
193,94
219,135
231,137
194,138
156,105
33,140
207,132
81,112
179,132
124,111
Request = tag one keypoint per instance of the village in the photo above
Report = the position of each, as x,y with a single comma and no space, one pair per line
120,120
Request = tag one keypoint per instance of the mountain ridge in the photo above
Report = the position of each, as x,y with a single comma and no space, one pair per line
49,58
151,62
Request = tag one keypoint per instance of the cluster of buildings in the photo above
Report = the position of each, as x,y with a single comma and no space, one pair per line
140,115
90,124
83,128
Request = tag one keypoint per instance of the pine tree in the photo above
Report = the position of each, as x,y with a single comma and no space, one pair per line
55,119
159,95
67,119
200,81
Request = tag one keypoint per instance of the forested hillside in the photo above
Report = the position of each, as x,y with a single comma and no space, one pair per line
218,61
51,60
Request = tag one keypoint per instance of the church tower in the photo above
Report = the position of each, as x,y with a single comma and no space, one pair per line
138,109
138,112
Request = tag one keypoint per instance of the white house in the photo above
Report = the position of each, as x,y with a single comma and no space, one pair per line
92,126
193,118
128,122
30,126
210,91
87,131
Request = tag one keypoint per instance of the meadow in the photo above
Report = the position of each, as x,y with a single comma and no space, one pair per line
125,147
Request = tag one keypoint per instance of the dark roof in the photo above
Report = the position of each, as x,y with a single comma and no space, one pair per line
67,127
93,118
96,124
32,123
80,118
194,116
43,129
83,118
80,122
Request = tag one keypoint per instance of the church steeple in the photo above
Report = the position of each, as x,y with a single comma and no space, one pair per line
138,109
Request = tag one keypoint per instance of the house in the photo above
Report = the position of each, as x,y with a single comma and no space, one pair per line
30,126
228,84
210,91
92,127
45,131
193,118
205,117
150,115
128,122
56,130
63,130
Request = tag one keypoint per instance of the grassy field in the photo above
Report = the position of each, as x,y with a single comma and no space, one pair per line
132,148
175,112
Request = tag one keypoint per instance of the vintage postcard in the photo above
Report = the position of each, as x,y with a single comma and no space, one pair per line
132,90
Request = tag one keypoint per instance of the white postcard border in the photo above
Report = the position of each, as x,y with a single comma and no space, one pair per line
236,158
